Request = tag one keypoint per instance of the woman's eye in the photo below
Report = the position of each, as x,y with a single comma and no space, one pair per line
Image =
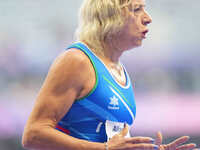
137,9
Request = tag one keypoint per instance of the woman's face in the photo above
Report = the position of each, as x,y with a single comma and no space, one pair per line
135,28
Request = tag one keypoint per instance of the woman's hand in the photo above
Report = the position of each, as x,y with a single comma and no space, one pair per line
119,142
177,144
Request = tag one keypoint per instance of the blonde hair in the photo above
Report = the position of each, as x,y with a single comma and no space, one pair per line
100,20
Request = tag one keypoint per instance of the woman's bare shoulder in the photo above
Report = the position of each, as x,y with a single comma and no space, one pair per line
71,69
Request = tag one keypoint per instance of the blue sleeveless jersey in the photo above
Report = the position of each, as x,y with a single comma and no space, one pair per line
108,100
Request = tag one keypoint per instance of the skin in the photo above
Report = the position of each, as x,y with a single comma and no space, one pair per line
131,35
177,144
64,84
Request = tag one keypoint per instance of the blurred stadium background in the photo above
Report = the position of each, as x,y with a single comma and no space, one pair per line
165,71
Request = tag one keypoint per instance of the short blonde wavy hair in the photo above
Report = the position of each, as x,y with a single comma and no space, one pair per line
100,20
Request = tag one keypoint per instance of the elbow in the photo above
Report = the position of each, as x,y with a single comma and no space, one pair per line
25,142
29,139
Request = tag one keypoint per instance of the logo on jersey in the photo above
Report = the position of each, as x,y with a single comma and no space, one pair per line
114,104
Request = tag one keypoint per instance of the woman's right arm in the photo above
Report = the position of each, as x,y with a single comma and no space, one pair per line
70,77
65,82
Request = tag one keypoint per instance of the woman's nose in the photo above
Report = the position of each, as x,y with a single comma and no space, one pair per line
147,19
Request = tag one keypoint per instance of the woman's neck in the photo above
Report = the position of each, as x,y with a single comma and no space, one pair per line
108,53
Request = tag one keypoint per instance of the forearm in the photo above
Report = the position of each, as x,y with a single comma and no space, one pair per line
48,138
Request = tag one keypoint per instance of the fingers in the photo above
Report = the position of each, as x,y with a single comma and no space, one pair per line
124,131
144,147
179,141
159,138
137,140
186,147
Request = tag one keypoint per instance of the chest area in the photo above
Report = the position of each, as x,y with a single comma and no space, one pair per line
117,104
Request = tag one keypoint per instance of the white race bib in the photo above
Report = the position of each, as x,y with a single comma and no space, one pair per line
113,128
